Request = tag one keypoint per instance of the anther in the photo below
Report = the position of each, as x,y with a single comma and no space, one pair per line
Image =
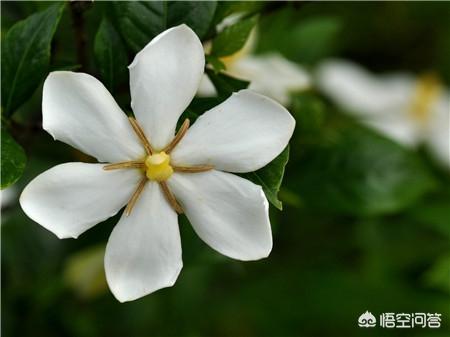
170,197
193,169
178,137
135,196
125,164
140,133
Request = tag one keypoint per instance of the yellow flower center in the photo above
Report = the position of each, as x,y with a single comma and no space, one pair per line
427,91
158,166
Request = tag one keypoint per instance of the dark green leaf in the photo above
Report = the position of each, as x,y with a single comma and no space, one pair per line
26,56
315,39
309,112
196,14
359,172
233,37
141,21
198,106
13,160
433,212
270,177
110,55
225,84
226,8
306,40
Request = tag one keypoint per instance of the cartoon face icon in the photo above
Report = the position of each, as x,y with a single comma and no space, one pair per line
367,320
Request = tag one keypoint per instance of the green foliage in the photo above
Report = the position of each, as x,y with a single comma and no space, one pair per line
26,56
361,173
110,55
305,40
140,21
233,37
315,39
215,62
270,177
13,160
309,112
227,8
225,84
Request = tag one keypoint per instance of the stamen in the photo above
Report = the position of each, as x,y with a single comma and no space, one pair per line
427,92
193,169
135,196
178,137
140,133
170,197
125,164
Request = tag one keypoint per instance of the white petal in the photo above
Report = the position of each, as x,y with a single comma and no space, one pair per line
228,212
398,126
355,89
271,75
78,110
206,87
242,134
144,250
438,132
164,78
70,198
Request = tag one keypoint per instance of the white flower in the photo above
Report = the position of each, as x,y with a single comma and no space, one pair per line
407,109
155,172
270,74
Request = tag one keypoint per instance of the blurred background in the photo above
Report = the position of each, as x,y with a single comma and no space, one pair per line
365,220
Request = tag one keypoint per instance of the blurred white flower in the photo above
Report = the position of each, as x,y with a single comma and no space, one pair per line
8,196
156,173
269,74
411,110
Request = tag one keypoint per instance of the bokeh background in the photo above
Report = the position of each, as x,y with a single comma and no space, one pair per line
365,223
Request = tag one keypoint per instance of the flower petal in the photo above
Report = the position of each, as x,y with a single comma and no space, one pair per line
361,93
164,78
398,126
144,250
70,198
271,75
438,131
242,134
78,110
228,212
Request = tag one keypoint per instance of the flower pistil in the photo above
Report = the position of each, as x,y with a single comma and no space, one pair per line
156,166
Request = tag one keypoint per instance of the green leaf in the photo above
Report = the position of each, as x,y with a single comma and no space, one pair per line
359,172
216,63
110,55
270,177
226,8
306,40
26,56
13,160
233,37
309,112
438,275
225,84
315,39
140,21
433,212
198,106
